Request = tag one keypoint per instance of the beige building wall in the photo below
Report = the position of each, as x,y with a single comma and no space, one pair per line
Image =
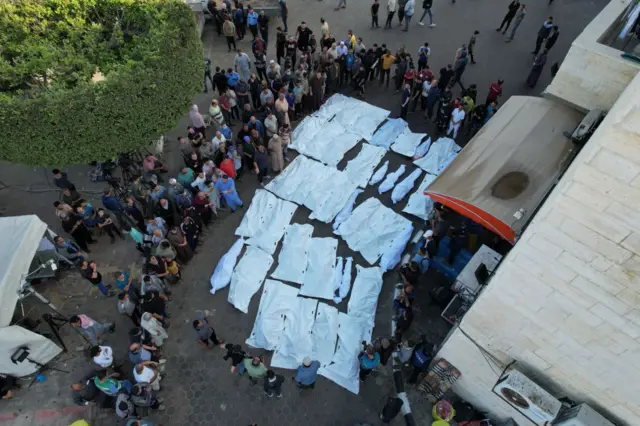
565,303
593,75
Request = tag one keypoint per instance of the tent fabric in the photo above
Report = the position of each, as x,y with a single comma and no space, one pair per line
292,260
387,134
364,295
439,154
296,341
321,263
407,142
248,276
277,299
343,369
22,235
224,269
420,204
372,228
403,188
360,169
521,147
41,349
266,220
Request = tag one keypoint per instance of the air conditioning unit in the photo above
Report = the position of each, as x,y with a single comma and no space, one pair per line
527,397
580,415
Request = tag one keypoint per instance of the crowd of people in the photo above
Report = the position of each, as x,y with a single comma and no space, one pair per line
247,131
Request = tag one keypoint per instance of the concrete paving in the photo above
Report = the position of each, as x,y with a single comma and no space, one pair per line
199,389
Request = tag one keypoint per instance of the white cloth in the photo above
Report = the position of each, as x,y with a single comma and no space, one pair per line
347,209
419,204
388,133
155,329
360,169
224,269
361,118
439,153
391,180
266,220
403,188
407,142
364,295
248,276
321,263
422,149
105,358
391,256
371,229
276,302
292,260
337,274
379,174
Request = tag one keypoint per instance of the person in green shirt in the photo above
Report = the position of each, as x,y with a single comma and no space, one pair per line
109,385
254,367
186,177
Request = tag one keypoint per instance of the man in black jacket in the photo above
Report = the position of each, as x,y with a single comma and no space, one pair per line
220,81
426,5
513,8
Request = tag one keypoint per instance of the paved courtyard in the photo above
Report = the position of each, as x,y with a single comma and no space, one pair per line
198,388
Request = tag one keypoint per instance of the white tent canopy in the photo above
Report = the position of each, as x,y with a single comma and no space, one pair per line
22,235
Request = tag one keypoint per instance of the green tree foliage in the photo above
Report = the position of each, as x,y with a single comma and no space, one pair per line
84,80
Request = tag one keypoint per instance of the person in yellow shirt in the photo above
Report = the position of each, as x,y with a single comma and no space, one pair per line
351,38
387,60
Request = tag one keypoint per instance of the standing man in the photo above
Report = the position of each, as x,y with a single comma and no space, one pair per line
342,4
519,17
495,90
513,8
61,180
273,384
303,33
472,45
457,116
205,334
238,21
252,22
263,25
374,13
324,28
387,61
307,373
243,65
392,5
207,74
284,13
229,31
543,33
406,97
553,37
281,39
409,8
426,5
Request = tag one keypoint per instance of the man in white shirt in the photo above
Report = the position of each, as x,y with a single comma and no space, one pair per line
217,140
102,355
456,120
199,181
144,373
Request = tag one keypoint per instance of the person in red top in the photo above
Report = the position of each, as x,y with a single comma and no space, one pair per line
225,106
426,74
227,168
495,90
409,76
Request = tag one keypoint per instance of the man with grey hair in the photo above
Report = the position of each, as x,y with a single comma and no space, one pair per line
307,373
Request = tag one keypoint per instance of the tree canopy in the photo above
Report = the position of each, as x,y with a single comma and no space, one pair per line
83,80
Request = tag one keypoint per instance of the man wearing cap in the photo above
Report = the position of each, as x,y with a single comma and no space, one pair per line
307,373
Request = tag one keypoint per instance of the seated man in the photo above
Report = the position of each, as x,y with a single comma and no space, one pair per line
410,273
69,250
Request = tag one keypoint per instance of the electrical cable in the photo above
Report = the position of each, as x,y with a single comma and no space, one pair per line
488,356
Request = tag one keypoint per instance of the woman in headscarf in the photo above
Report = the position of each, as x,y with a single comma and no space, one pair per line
282,109
203,207
276,153
154,328
227,189
181,244
538,65
165,250
197,121
215,114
